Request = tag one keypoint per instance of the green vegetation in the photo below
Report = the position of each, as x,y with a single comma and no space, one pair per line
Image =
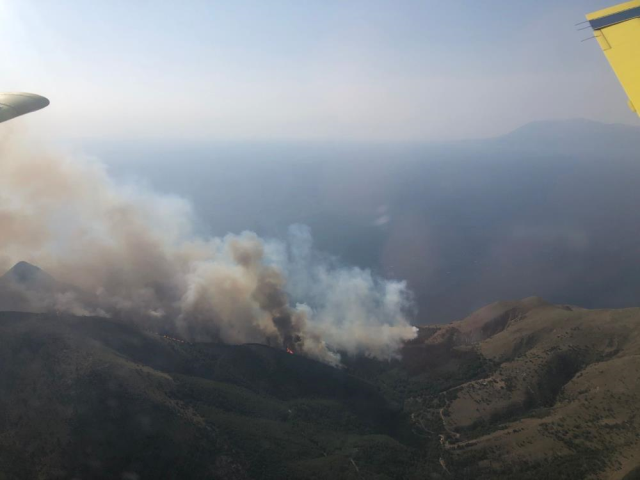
550,392
91,398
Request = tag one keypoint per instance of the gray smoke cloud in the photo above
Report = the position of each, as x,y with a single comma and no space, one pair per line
134,255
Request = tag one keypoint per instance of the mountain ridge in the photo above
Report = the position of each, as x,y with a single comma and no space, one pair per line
119,401
517,389
27,288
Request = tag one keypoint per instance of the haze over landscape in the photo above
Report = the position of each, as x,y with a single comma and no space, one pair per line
316,240
363,70
549,209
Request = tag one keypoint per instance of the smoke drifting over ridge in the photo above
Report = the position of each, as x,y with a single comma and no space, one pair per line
136,255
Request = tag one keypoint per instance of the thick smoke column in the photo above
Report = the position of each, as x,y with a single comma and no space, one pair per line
135,255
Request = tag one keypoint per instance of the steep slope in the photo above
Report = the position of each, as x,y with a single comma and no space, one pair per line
92,398
559,399
486,322
27,288
519,389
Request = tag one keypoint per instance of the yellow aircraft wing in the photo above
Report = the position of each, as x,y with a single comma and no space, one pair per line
618,32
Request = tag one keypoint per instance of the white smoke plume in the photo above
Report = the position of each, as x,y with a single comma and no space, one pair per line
135,256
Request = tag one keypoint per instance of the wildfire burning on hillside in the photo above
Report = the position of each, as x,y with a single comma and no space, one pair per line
135,254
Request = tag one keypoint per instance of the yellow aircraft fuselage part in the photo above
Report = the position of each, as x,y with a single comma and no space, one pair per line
618,32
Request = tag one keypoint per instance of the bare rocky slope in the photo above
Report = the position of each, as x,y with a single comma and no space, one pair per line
558,399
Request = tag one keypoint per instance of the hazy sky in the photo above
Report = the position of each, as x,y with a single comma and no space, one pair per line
324,69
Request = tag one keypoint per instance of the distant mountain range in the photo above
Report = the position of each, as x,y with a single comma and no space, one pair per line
550,209
574,137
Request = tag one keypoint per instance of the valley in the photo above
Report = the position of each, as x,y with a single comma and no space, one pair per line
521,389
